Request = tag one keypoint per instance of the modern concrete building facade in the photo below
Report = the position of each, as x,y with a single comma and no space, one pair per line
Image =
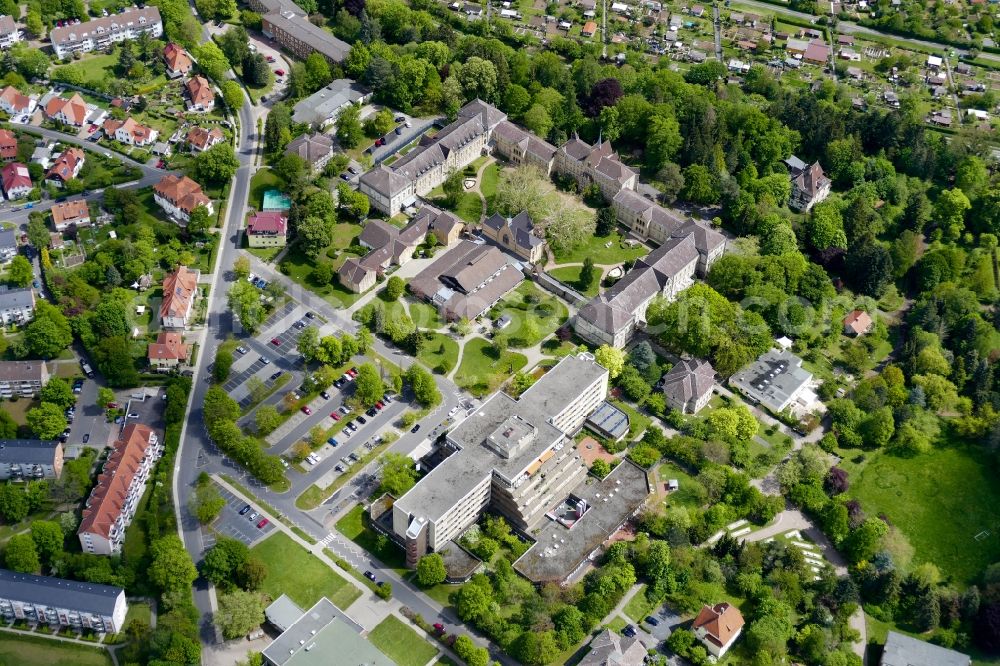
513,455
58,602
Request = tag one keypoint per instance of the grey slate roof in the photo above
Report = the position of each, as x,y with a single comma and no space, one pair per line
310,147
61,593
610,649
327,101
8,238
28,451
689,379
384,180
521,228
17,297
903,650
298,26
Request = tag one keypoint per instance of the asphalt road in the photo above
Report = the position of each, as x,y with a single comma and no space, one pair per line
150,176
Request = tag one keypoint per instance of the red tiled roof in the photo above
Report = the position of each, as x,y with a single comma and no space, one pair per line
200,91
267,222
176,58
74,108
169,346
858,321
13,96
15,175
140,133
182,192
179,289
201,138
111,492
65,164
721,623
69,212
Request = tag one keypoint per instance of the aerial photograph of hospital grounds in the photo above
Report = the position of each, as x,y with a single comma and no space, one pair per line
419,332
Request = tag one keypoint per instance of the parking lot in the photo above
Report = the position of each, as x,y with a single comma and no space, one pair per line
231,524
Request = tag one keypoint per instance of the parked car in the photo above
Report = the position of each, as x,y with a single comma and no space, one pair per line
352,426
415,428
369,575
652,620
353,372
265,360
241,349
344,409
332,441
279,72
245,510
324,395
339,382
276,342
306,410
270,58
262,523
335,416
253,516
86,438
276,375
371,412
400,119
310,314
628,631
362,420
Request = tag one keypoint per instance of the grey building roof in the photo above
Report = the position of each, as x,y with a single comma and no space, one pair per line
689,380
21,371
528,142
327,102
60,593
7,25
317,635
28,451
613,309
558,551
773,379
903,650
479,456
609,421
8,239
17,297
283,612
521,229
310,147
611,649
385,181
706,239
298,26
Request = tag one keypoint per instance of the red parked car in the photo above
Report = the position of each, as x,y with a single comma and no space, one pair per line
279,72
335,416
276,342
270,58
262,523
306,410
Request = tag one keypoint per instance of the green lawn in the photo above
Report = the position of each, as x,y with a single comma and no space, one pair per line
570,276
488,185
354,526
690,494
138,611
263,180
939,500
36,651
299,268
638,607
637,422
526,303
481,372
425,315
292,570
437,350
401,643
617,624
595,248
470,207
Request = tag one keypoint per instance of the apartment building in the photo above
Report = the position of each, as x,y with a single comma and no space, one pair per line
100,33
22,378
59,602
111,506
30,459
180,289
514,455
286,23
10,34
17,305
392,188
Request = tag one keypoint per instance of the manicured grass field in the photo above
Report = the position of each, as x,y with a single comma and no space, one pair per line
594,247
470,207
439,349
425,316
690,494
481,372
401,643
939,500
354,527
570,276
546,311
35,651
299,268
294,571
488,186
